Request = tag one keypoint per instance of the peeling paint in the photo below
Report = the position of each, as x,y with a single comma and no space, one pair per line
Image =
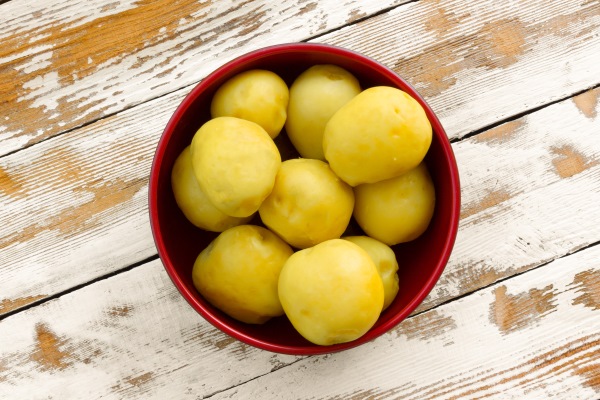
426,326
8,305
568,161
514,312
587,103
588,284
51,352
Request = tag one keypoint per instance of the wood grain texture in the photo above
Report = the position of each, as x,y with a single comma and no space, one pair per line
77,205
100,205
488,247
498,343
73,207
65,63
129,336
480,62
475,52
89,187
133,336
534,202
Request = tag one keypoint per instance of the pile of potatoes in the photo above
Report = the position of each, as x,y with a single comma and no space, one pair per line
361,156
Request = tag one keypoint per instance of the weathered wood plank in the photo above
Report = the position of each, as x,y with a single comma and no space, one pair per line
132,336
552,153
533,336
75,206
508,176
47,200
471,60
129,336
65,63
480,62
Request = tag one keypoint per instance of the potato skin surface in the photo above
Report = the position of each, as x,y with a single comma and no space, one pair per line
379,134
331,292
385,261
192,201
235,163
257,95
239,272
315,96
308,204
396,210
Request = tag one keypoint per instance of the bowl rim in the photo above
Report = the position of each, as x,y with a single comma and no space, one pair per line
254,55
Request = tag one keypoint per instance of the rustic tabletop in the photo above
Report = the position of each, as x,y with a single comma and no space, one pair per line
86,308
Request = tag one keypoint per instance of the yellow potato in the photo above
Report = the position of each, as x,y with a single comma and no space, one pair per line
308,204
331,292
379,134
193,202
396,210
314,97
235,163
259,96
239,271
385,260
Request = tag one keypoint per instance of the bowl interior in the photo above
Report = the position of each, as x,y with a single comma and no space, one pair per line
179,242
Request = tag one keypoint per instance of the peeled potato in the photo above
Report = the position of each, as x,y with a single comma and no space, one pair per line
235,163
258,95
192,201
315,96
384,259
379,134
396,210
331,292
239,272
309,203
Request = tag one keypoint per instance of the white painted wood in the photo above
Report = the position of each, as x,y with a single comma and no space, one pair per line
132,336
38,261
530,193
73,207
129,336
65,63
479,62
530,337
486,61
77,207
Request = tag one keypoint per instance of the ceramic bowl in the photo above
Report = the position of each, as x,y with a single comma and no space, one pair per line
179,242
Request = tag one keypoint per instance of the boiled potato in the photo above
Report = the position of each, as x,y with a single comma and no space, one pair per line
384,259
308,204
331,292
192,201
239,271
396,210
314,97
235,163
379,134
258,95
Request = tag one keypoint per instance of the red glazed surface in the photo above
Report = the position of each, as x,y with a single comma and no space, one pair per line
179,242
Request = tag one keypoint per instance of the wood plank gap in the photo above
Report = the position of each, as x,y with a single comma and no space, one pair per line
77,287
93,121
155,256
506,278
187,87
459,297
359,20
521,115
192,85
256,377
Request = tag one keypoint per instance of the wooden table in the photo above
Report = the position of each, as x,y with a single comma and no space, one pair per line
86,308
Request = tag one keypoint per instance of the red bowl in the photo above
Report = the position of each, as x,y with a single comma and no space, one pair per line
179,242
